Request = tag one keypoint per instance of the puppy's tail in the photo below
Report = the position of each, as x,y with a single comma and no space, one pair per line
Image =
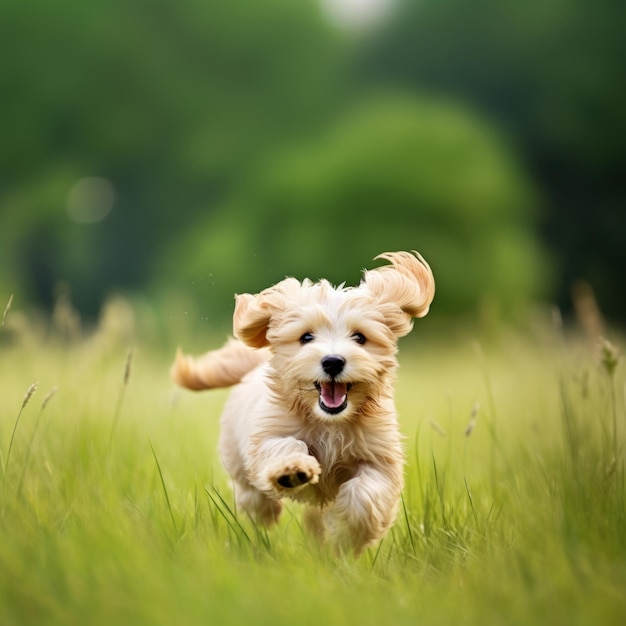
218,368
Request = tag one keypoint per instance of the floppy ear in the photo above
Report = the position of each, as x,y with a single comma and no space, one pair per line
404,289
253,313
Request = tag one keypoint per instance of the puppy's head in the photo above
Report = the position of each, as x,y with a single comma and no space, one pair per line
334,348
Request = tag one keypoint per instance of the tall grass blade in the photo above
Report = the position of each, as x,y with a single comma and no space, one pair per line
570,429
228,515
418,467
442,505
44,404
491,423
377,553
408,526
167,497
471,501
27,396
120,397
609,357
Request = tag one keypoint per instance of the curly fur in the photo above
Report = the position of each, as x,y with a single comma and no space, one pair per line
312,415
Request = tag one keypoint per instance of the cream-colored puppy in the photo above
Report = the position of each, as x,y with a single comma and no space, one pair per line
312,416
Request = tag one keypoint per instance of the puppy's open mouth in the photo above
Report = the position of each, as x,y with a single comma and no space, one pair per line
333,396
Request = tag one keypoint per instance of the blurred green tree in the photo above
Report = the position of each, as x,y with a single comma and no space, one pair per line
395,173
170,102
552,75
239,145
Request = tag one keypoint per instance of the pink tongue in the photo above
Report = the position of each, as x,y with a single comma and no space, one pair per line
333,394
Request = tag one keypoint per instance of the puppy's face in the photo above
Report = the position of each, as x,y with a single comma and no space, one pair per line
334,348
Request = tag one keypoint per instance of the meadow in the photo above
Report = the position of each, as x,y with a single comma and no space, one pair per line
115,509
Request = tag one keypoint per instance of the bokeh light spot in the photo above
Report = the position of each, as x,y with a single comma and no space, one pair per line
356,13
90,200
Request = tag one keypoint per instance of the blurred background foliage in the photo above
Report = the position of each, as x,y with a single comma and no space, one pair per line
185,151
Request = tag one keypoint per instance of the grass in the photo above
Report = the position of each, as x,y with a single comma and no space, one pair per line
114,507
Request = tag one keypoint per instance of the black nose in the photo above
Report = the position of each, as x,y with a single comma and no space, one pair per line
333,364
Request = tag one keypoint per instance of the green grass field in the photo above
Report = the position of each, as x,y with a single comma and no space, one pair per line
114,507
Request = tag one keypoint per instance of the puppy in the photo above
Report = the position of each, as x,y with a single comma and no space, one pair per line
312,415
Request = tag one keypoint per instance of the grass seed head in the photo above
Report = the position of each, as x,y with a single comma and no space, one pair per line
472,423
48,397
6,311
609,356
29,394
437,428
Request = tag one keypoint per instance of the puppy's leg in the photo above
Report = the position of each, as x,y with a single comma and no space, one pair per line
257,505
365,507
314,524
281,466
247,497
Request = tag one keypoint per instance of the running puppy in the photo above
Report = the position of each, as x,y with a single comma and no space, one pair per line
312,416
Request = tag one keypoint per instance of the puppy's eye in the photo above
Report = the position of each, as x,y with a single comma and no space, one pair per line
307,338
359,338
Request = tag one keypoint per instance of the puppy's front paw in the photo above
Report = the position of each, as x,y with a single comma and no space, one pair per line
293,472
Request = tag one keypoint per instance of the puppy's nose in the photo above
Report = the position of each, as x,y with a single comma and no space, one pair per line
333,364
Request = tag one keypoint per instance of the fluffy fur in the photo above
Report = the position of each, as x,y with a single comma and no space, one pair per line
312,415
